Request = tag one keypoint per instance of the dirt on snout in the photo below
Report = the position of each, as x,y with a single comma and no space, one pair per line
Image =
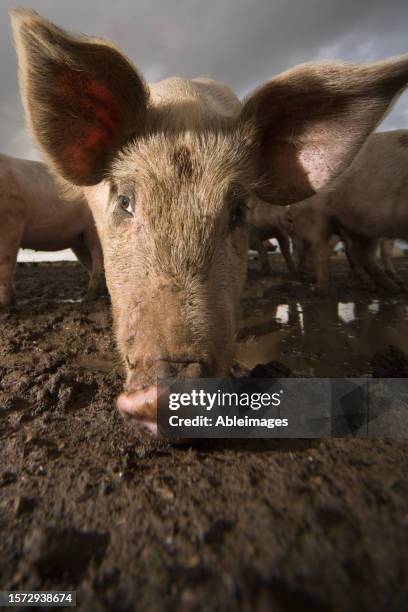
132,523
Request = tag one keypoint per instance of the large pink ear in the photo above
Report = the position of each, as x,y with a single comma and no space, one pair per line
83,98
312,120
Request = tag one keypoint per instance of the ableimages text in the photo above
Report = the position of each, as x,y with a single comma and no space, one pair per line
226,421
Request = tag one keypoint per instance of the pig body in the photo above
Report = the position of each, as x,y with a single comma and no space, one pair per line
36,215
368,202
170,172
264,225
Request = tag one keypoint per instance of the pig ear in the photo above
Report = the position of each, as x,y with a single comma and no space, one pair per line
311,121
83,98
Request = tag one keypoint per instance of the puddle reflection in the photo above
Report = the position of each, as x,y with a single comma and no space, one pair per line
34,300
322,338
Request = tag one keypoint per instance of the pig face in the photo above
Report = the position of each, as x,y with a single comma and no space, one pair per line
170,171
172,218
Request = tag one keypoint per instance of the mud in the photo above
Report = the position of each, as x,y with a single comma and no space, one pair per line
132,523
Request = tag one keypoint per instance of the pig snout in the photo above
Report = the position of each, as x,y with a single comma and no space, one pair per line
142,403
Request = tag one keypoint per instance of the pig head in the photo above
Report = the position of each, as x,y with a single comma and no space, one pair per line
170,170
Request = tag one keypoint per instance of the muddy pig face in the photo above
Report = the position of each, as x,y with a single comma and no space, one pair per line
169,178
172,218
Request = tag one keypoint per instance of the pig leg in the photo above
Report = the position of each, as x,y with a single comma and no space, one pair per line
386,253
9,246
364,251
84,256
284,245
94,248
320,255
263,256
356,271
356,274
301,252
298,248
258,245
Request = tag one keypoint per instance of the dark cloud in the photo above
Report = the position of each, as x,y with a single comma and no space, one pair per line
241,42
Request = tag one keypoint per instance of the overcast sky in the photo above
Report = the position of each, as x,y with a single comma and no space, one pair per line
240,42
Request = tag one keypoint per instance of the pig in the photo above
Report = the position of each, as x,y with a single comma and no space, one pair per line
369,201
37,213
170,171
264,224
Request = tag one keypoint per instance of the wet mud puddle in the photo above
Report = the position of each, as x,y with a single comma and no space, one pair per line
321,338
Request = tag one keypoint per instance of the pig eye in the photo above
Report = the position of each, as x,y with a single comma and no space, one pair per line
127,204
238,209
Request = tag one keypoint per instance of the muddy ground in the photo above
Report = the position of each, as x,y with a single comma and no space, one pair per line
136,524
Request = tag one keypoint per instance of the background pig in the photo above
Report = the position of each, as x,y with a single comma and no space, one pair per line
35,214
367,202
264,225
170,170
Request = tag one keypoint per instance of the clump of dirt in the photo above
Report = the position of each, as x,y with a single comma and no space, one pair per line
390,363
272,369
54,554
133,523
